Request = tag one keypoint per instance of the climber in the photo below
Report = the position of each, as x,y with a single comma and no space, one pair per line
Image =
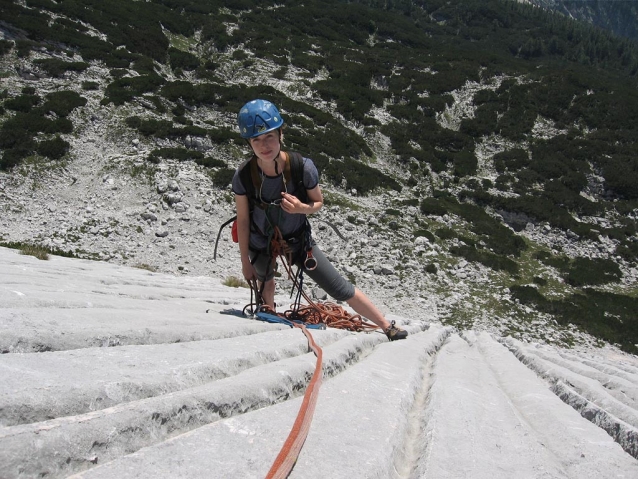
266,198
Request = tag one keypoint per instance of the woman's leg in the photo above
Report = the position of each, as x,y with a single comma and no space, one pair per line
268,293
328,278
362,305
265,269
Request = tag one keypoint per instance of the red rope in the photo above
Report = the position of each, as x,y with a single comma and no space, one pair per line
289,452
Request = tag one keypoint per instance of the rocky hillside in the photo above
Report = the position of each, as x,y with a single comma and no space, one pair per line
478,158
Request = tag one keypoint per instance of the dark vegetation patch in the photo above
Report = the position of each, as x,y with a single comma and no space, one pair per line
36,125
608,316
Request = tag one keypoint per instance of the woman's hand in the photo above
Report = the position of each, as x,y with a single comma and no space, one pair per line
291,204
248,270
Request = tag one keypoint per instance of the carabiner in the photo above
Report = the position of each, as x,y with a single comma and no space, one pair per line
310,263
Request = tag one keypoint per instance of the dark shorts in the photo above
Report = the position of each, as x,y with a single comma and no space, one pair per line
325,274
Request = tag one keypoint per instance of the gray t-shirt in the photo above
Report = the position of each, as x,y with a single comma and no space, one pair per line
271,189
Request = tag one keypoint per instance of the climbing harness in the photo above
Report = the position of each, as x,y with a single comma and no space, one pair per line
329,314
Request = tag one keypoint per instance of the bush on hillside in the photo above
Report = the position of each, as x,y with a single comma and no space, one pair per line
23,103
491,260
465,164
6,46
53,149
592,272
432,206
222,135
56,67
210,162
180,59
511,160
90,85
222,177
62,103
179,154
621,176
124,90
360,176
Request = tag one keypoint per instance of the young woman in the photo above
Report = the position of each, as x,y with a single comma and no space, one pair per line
276,202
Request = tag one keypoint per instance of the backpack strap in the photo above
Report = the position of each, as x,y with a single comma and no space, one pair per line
250,181
296,175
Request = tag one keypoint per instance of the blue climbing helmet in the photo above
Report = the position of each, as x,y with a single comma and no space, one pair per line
258,117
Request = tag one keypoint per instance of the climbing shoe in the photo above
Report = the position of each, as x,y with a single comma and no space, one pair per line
394,332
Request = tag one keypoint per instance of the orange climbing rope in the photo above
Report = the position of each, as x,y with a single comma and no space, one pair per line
289,452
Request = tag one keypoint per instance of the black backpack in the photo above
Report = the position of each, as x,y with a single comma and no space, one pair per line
251,179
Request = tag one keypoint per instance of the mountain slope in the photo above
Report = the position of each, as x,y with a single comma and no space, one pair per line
187,390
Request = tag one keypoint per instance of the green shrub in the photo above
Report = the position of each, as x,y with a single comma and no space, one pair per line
628,251
57,68
210,162
586,271
427,234
62,103
157,128
14,129
123,90
235,282
90,85
540,281
54,149
621,176
239,55
358,175
527,295
36,251
179,154
29,247
13,156
144,66
491,260
511,160
465,164
222,135
23,103
146,267
184,60
24,47
222,177
117,73
446,233
6,46
432,206
182,120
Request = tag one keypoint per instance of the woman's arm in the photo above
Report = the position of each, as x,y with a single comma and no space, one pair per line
243,234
